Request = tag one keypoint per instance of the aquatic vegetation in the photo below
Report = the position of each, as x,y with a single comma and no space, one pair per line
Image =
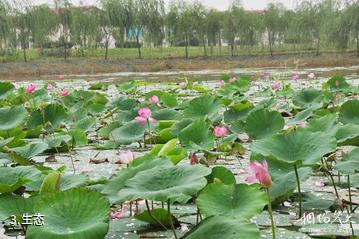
177,158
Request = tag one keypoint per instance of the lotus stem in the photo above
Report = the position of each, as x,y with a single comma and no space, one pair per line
331,178
350,223
350,195
149,131
170,218
155,219
299,191
270,211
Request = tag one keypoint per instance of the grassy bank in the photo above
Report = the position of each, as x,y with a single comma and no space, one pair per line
55,66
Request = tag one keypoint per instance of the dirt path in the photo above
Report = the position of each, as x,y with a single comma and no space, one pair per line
39,69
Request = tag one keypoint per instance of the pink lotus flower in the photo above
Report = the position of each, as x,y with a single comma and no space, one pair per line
337,83
259,173
120,214
220,131
338,97
311,76
296,77
153,100
182,84
144,116
30,88
233,78
126,157
50,87
194,159
61,77
221,83
64,93
276,85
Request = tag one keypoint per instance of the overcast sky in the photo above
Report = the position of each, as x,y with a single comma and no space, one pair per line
219,4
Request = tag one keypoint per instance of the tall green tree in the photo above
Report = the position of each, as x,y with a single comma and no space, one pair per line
42,23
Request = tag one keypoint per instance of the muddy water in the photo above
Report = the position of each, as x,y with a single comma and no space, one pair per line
79,161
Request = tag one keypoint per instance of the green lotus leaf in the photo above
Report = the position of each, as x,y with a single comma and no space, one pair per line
179,126
15,205
55,114
349,163
57,141
166,114
170,150
96,109
79,137
337,83
307,97
51,183
238,111
127,86
73,214
237,200
117,183
349,112
197,135
222,174
296,147
303,115
202,107
160,214
13,178
262,123
124,103
30,150
223,227
85,123
163,183
326,124
5,89
128,134
12,117
283,177
348,135
168,99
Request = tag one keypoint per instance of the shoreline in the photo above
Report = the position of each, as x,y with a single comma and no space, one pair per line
40,69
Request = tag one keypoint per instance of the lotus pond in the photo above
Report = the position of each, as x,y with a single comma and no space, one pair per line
236,156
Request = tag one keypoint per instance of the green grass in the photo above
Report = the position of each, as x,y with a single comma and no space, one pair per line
159,53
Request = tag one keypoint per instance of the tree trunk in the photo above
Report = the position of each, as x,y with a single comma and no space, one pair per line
65,45
212,43
138,47
24,51
220,42
186,48
106,47
232,48
358,45
270,39
318,47
204,46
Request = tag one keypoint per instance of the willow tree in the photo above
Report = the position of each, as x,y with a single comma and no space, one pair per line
155,33
272,20
85,26
232,25
42,23
353,13
4,21
214,25
22,27
63,10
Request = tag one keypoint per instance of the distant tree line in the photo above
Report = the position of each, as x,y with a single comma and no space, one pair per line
131,23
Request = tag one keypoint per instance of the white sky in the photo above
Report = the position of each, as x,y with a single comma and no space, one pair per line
219,4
